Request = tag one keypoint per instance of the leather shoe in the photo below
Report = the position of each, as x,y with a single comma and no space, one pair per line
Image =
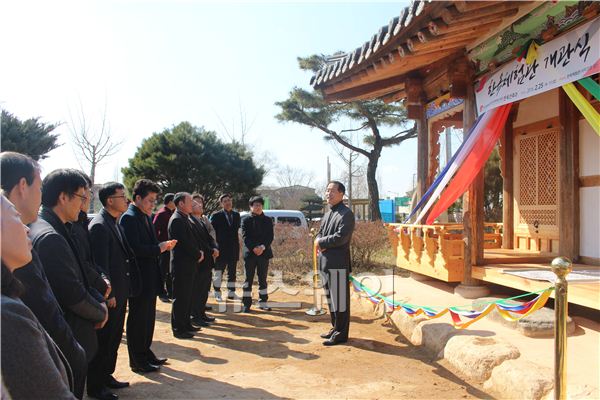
328,334
246,310
192,328
103,394
115,384
158,361
199,322
164,299
208,318
334,339
145,368
183,335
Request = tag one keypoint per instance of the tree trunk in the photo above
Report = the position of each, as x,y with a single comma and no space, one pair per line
372,184
92,178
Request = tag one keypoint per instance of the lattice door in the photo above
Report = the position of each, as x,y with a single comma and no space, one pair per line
536,191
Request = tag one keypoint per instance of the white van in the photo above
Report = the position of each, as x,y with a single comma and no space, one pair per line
292,217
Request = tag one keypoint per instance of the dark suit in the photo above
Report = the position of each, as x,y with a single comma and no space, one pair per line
203,278
226,228
38,296
81,235
257,230
184,258
161,226
114,256
140,235
81,303
334,238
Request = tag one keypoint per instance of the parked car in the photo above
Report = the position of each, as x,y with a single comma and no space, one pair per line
292,217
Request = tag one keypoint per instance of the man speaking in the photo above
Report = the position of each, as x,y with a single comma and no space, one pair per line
333,243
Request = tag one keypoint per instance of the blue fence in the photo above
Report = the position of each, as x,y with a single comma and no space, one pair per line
388,210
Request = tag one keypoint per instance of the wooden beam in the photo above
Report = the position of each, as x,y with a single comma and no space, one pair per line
460,77
525,8
434,156
507,168
389,84
415,98
470,6
422,152
440,42
568,207
472,205
437,27
395,96
492,8
589,181
398,67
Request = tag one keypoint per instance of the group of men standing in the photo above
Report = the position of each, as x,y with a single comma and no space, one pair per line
203,245
85,275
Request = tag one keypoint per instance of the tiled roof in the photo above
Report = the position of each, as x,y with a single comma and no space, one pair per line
353,59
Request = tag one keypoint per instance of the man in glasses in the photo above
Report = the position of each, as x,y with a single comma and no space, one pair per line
96,277
22,184
113,255
63,191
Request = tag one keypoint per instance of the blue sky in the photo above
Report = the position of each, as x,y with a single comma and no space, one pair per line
157,63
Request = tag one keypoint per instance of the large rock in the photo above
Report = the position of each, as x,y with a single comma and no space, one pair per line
538,324
432,335
476,356
520,379
405,323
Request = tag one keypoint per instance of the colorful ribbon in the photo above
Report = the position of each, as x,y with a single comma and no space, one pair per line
457,158
473,162
591,86
474,134
456,312
589,112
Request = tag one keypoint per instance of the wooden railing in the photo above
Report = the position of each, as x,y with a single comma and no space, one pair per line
436,250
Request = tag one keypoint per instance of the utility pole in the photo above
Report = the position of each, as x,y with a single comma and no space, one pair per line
350,172
448,145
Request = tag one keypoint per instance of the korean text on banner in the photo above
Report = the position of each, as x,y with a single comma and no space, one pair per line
565,59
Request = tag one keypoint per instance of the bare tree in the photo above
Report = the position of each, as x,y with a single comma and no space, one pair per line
352,168
288,176
92,144
237,132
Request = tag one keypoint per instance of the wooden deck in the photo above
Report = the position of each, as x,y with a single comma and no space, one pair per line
583,293
509,256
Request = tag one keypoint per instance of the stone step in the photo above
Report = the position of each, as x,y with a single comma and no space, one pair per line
538,324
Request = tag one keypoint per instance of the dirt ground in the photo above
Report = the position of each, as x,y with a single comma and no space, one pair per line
278,354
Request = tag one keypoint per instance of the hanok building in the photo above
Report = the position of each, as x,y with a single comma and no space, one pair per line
449,62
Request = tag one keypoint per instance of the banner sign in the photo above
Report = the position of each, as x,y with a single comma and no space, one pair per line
568,58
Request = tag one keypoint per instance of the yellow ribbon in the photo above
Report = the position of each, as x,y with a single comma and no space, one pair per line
538,304
589,112
531,53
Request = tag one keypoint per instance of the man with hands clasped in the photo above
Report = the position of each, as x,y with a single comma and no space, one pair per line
141,236
257,233
333,243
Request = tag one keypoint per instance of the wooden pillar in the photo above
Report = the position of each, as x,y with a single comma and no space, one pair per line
507,168
422,155
568,156
416,110
472,207
434,154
